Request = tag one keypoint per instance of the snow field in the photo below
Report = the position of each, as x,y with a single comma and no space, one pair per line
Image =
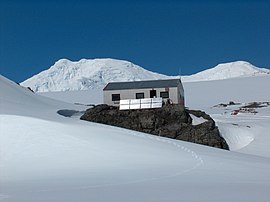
47,157
86,159
65,143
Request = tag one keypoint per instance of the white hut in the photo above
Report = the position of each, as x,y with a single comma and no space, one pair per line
171,89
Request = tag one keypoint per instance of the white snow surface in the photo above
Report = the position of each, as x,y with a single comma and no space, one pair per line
197,120
48,157
66,75
86,97
206,94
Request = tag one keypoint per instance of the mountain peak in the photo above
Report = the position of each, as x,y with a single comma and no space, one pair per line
227,71
85,74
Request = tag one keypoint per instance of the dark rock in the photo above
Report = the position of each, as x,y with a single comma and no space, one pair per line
30,89
170,121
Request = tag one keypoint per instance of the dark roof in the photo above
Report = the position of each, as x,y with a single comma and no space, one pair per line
142,84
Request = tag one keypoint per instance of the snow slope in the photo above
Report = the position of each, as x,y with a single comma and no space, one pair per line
66,75
63,159
17,100
77,96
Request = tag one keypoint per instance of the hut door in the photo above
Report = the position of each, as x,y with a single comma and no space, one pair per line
153,93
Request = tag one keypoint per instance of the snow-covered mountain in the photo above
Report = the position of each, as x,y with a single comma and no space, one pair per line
66,75
227,71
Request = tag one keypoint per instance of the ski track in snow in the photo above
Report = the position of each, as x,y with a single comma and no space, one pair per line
193,154
3,196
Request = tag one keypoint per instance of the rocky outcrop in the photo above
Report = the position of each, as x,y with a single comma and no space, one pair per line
169,121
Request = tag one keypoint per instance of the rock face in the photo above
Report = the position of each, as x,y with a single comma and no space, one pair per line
169,121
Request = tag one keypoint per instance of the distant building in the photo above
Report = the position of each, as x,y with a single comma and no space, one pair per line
171,90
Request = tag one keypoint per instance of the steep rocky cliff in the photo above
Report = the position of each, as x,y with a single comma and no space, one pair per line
169,121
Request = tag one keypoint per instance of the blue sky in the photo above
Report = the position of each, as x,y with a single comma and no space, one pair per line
161,36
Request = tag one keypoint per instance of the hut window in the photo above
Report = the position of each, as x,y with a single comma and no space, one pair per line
153,93
115,97
139,95
164,94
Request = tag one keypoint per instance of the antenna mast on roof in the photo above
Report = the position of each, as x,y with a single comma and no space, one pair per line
179,72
